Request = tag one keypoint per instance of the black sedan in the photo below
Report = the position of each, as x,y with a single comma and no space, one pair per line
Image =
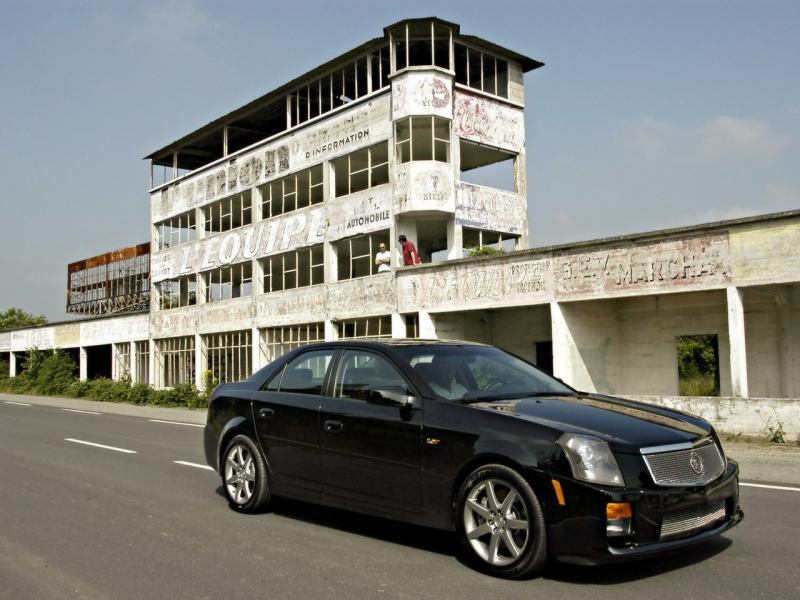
469,438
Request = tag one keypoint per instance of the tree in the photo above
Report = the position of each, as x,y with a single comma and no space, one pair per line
16,317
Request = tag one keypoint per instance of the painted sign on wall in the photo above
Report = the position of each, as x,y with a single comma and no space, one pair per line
421,94
484,121
492,209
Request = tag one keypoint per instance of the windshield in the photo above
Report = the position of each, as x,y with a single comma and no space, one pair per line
479,373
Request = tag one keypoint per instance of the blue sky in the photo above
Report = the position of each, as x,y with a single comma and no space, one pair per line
648,114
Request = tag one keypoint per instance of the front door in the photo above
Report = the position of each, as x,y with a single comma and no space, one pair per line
371,445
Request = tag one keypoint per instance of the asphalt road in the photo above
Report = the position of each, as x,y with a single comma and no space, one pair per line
85,521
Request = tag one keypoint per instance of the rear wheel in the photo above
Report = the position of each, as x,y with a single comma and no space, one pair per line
244,476
500,523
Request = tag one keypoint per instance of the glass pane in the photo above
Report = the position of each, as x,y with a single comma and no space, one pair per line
302,102
384,66
403,130
375,73
403,152
293,108
442,151
360,246
362,266
313,97
422,142
306,373
343,259
441,129
350,83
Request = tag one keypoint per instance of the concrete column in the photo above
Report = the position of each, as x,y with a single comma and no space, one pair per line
562,343
736,337
330,331
134,363
12,364
398,326
427,328
114,366
199,362
83,364
455,240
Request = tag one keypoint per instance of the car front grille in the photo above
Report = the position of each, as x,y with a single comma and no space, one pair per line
684,465
679,523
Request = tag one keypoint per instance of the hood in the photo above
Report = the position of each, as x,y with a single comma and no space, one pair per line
624,424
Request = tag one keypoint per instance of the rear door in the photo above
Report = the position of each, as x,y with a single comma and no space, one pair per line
370,445
287,417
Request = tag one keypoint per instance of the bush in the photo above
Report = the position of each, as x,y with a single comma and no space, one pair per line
56,374
484,251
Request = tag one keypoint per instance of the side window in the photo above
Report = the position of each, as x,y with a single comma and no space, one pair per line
303,375
366,376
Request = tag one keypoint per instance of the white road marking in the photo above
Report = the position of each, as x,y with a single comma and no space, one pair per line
100,446
18,403
86,412
175,423
771,487
191,464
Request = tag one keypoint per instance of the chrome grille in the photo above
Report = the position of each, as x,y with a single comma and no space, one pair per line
683,464
688,520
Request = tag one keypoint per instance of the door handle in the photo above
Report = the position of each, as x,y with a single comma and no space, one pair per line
333,426
266,413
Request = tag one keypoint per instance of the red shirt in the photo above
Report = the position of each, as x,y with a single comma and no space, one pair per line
408,248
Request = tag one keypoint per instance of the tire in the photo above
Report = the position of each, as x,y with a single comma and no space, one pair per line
245,478
500,524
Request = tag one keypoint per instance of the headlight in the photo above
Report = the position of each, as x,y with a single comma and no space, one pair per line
591,459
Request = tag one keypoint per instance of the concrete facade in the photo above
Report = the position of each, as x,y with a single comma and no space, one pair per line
606,313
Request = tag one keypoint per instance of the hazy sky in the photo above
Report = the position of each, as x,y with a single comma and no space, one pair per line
647,114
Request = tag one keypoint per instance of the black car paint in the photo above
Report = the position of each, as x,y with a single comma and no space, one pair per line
407,462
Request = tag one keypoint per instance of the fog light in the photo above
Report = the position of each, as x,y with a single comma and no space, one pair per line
619,519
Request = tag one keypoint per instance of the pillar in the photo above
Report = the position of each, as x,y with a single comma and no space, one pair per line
736,337
427,327
83,364
398,326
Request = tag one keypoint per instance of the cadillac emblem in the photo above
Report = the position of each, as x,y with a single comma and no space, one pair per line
696,463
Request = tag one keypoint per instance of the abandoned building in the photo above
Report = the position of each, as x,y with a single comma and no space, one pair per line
266,223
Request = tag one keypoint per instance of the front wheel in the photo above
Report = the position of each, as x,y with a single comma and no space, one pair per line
244,476
500,523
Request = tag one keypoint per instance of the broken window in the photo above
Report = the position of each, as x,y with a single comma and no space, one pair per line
290,270
369,327
698,365
487,166
142,350
364,75
177,230
175,293
422,138
362,169
122,360
235,281
176,361
277,341
474,239
229,356
292,192
356,255
480,70
229,213
421,43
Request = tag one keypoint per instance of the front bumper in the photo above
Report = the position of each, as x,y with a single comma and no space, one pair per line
577,531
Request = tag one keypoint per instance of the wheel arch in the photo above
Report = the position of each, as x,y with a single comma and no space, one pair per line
235,426
480,461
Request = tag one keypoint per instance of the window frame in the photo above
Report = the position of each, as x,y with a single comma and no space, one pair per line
407,154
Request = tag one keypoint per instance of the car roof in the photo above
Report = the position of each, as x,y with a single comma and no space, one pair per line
396,342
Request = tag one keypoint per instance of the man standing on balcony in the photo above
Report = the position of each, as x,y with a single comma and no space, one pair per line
410,254
383,259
